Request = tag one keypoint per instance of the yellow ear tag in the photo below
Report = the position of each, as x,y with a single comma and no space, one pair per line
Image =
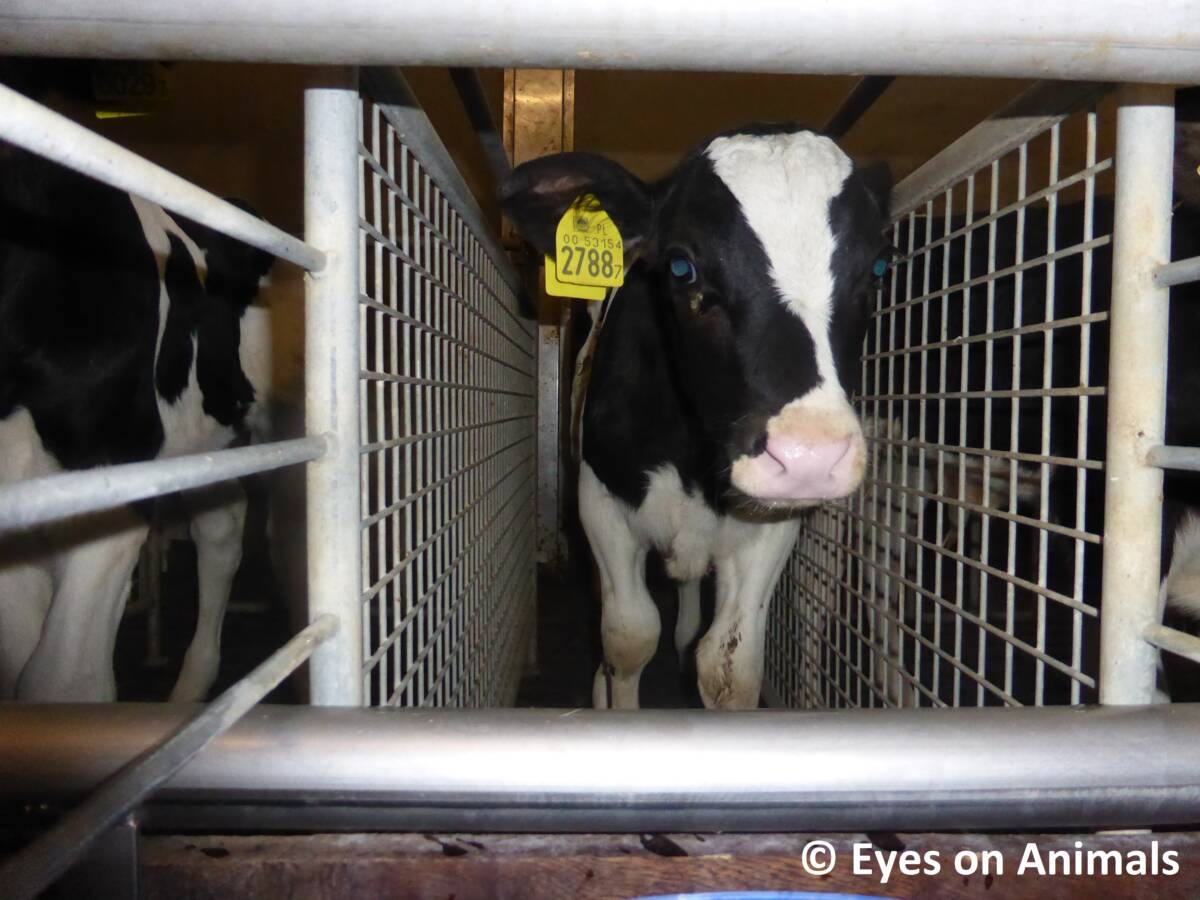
587,246
123,89
556,288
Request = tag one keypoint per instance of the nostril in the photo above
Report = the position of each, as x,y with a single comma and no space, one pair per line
760,446
840,455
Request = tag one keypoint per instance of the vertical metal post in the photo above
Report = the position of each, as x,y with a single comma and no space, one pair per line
1136,392
331,176
539,119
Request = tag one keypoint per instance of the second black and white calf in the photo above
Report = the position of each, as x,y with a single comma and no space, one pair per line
126,334
718,400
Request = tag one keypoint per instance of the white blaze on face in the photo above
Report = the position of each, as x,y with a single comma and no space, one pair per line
784,184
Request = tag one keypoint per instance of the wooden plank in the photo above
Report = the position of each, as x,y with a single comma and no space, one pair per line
591,867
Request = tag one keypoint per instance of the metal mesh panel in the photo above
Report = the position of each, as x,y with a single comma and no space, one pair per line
447,404
966,569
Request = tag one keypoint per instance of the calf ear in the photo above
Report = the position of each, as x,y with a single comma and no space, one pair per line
877,178
538,192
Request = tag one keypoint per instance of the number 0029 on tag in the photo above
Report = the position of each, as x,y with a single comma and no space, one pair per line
587,246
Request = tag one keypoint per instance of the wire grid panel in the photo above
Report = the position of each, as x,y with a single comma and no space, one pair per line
966,569
447,407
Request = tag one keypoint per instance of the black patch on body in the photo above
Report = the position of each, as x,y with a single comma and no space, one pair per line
79,303
187,296
79,295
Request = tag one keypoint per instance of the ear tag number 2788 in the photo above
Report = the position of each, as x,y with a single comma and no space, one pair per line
587,247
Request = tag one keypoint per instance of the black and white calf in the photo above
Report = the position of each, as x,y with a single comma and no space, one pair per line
717,405
126,334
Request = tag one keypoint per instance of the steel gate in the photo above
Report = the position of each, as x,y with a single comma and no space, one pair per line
951,578
447,402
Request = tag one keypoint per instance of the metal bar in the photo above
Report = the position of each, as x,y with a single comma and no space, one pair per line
1179,272
39,500
860,99
391,92
331,173
1070,39
1173,641
1018,205
46,133
649,770
34,868
1185,459
1035,111
474,100
1048,260
1137,393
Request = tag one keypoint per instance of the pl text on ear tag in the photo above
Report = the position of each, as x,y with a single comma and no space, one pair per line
588,252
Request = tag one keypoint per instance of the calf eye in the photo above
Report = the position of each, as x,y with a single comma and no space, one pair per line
682,270
883,262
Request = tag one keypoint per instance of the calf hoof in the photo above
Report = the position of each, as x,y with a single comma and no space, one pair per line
612,691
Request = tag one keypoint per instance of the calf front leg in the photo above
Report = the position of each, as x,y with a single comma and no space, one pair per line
629,620
218,519
687,623
729,659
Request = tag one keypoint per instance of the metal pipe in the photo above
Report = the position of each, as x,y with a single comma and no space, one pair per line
1068,39
46,133
41,500
640,771
1186,459
1173,641
32,869
391,92
1035,111
331,198
1180,272
1137,392
860,99
474,100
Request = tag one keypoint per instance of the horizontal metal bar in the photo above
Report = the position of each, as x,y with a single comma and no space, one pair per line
892,617
998,394
1173,641
415,496
1185,459
46,133
39,500
646,770
426,329
35,867
1069,39
1181,271
1025,202
1033,112
410,439
951,499
387,87
1016,268
1035,328
932,447
978,565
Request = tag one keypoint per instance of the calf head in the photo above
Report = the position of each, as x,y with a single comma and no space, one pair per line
762,248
